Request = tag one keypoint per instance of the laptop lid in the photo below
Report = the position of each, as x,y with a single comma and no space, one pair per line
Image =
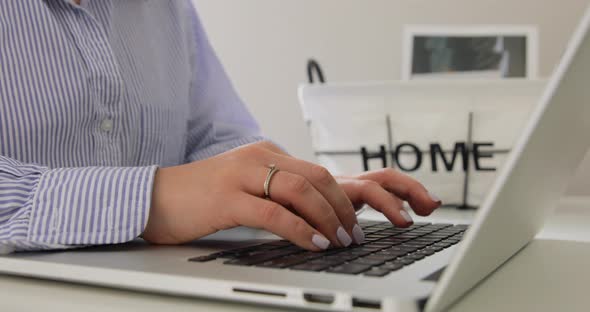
546,155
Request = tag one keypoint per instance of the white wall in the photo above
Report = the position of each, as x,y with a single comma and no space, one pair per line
264,45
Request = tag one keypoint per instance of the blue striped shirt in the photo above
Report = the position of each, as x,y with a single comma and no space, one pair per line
93,98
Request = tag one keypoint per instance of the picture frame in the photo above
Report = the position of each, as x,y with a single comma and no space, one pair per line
520,34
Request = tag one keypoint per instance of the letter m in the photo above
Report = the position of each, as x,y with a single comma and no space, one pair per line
460,149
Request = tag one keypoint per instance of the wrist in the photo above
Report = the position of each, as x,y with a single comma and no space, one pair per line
154,231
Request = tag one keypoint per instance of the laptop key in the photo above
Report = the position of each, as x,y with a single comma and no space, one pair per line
414,256
267,247
389,253
397,248
386,257
361,253
282,243
408,235
391,249
442,225
281,263
368,223
430,238
203,258
408,249
404,261
261,257
370,262
330,261
376,272
435,237
391,266
381,245
347,256
315,267
370,249
424,252
326,262
381,234
236,262
413,243
308,255
349,268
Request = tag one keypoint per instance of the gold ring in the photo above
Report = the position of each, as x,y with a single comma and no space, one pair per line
272,170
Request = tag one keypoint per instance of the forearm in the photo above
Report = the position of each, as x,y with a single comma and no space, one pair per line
70,207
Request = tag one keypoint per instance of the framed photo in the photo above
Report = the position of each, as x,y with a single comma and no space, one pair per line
466,52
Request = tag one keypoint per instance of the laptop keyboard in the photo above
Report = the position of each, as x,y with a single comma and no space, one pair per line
386,249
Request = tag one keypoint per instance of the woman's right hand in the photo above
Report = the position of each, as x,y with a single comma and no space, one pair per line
306,204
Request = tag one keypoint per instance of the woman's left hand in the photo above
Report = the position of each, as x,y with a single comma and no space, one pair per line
385,190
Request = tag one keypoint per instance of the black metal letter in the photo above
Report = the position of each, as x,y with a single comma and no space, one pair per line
382,154
477,155
416,151
460,147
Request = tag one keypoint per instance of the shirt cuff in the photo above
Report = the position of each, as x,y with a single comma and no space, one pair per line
91,205
220,147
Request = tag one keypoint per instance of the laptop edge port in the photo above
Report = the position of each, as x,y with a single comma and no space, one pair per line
259,292
366,303
319,298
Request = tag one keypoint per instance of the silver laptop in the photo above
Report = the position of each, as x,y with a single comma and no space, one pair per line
425,267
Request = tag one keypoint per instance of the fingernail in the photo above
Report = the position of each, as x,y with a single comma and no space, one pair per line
434,198
320,241
343,237
358,234
406,216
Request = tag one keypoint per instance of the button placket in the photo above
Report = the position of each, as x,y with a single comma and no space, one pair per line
107,86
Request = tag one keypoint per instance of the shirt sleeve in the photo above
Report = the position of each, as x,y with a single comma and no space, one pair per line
219,119
42,208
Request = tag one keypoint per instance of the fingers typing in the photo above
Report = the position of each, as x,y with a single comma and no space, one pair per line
273,217
406,188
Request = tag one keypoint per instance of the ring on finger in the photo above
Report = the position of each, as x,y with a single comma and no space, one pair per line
272,170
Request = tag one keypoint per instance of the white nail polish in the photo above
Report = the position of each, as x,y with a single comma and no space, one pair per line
359,235
343,237
406,216
434,198
320,241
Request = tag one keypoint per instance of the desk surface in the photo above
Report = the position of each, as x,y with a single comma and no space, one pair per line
548,275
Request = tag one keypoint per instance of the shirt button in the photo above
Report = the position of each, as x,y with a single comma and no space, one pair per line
106,125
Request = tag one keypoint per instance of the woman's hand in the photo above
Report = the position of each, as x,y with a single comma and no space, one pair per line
307,205
385,190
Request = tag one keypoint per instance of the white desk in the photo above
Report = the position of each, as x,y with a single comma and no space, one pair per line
548,275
